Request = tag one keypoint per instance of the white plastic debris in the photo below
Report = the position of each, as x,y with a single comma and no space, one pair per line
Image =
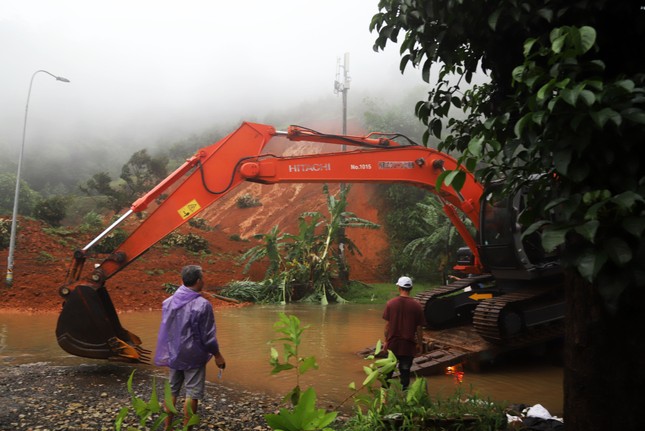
537,411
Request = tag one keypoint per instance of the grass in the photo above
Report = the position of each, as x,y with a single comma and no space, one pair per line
378,293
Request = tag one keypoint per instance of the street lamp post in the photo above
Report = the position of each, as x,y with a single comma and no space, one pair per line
12,238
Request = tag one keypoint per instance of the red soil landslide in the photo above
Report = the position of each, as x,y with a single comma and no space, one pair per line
41,259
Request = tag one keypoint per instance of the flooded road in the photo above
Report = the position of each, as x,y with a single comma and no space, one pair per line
335,334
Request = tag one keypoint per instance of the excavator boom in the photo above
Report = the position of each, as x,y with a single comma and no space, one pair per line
88,324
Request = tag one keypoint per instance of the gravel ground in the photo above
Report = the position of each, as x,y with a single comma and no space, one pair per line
44,397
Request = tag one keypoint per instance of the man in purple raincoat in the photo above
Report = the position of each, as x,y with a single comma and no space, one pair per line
187,340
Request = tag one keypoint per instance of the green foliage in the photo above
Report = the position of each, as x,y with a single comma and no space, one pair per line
309,260
43,256
303,414
51,210
191,242
387,407
26,201
252,291
199,223
5,232
111,241
438,240
247,200
150,413
141,173
92,222
562,116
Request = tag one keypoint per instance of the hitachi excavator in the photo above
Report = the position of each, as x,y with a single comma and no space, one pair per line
509,289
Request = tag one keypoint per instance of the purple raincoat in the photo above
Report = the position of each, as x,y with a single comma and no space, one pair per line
187,333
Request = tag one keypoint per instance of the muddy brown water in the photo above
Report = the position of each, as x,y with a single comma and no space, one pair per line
335,334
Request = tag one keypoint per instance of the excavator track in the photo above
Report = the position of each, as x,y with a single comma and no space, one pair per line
501,320
429,300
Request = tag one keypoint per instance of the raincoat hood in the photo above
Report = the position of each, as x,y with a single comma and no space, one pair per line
181,297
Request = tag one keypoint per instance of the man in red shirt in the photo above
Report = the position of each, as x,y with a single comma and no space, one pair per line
403,330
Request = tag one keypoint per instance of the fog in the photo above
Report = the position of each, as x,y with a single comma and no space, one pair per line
145,71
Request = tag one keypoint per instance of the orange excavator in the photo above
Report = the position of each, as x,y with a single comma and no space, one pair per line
509,291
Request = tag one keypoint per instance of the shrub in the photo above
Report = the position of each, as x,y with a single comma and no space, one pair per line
51,210
190,242
199,223
247,200
111,241
5,232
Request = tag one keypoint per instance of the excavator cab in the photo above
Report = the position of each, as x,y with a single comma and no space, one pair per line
503,250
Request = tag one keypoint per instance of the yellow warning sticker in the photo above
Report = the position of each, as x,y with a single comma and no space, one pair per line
189,209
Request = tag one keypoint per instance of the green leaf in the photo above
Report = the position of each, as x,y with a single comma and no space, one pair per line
534,227
558,43
492,19
553,238
120,417
168,398
153,404
588,97
618,251
588,230
545,90
601,117
475,145
561,160
425,71
378,348
634,225
570,96
371,377
590,263
634,115
352,386
528,45
518,73
281,367
547,14
587,38
625,84
626,200
519,126
456,179
307,364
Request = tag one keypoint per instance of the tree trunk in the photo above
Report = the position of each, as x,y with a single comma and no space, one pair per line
604,375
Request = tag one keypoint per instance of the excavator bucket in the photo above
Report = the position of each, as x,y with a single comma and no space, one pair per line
89,326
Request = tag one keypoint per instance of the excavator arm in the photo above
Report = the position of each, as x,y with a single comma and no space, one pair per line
88,325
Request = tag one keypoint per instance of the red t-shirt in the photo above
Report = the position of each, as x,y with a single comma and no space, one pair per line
404,315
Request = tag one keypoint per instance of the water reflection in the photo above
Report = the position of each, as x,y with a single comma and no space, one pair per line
335,333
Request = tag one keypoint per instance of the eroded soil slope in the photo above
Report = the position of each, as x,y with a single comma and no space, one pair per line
42,259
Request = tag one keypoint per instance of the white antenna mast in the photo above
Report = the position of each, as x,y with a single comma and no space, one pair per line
342,86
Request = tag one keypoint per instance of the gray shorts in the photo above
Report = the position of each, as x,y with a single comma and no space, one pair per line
194,379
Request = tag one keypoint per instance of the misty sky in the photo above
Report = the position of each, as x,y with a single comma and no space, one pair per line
145,67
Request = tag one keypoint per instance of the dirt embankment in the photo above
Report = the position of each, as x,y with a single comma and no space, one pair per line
42,259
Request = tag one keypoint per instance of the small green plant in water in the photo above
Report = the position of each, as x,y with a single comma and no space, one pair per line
303,416
389,407
153,411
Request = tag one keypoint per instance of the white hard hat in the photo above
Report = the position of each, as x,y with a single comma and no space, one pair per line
405,282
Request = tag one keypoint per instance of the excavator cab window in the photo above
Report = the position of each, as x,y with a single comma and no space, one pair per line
497,242
503,250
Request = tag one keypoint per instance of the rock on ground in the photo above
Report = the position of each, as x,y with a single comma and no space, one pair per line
44,397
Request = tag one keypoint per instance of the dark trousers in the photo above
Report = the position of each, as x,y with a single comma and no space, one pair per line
405,364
